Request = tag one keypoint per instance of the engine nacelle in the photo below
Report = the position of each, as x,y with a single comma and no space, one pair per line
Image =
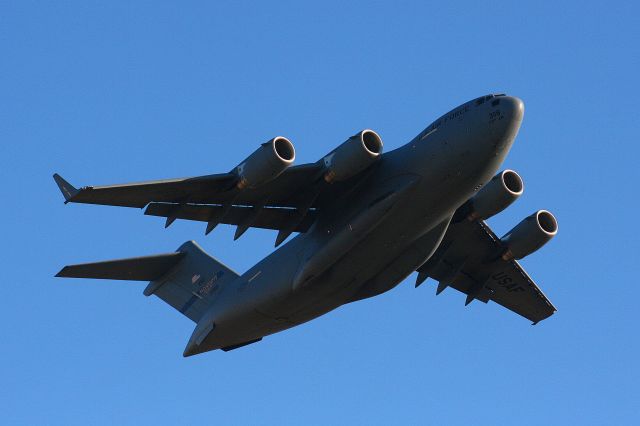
529,235
497,195
353,156
266,163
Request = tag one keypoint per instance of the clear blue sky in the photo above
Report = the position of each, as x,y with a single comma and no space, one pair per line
108,92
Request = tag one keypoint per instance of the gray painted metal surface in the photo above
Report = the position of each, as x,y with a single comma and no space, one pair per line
363,229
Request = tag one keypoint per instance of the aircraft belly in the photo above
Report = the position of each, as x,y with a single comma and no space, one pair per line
369,258
407,262
340,239
248,326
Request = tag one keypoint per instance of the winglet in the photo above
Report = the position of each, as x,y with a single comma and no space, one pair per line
68,190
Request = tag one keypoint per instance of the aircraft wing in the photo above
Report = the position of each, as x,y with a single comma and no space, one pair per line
469,260
210,189
288,203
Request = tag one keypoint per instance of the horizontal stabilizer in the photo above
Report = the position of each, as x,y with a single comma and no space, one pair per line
147,268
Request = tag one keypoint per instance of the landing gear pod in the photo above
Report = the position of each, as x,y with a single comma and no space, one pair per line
529,235
497,195
353,156
266,163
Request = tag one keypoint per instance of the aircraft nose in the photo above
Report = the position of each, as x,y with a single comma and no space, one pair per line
506,118
513,107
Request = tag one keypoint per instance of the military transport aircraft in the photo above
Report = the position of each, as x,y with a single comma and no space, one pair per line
366,221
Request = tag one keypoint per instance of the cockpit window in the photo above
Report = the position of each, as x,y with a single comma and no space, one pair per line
495,102
483,99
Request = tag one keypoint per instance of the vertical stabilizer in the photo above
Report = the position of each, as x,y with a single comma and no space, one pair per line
193,283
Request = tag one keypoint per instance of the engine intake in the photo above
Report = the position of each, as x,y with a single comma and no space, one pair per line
353,156
265,163
529,235
497,195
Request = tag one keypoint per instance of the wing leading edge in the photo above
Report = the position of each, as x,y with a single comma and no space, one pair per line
284,191
142,193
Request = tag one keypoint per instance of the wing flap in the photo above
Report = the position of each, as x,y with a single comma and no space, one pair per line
267,218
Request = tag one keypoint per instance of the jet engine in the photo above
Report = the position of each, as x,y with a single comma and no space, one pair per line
529,235
353,156
497,195
266,163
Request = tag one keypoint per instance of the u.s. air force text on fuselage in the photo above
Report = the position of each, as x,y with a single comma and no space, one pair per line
366,220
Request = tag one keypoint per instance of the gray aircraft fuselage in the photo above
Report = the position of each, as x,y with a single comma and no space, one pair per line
373,238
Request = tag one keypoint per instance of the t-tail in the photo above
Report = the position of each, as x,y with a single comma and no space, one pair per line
187,279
